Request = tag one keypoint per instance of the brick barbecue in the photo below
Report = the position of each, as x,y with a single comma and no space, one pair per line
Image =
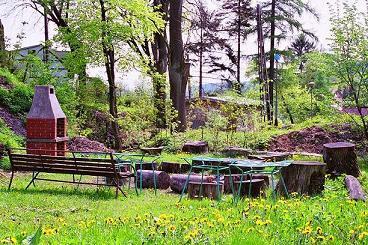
46,124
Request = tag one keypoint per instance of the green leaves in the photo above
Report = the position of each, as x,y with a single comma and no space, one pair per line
33,239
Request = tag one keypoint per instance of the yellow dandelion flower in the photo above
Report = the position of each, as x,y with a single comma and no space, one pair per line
307,230
319,230
362,235
172,228
320,238
330,238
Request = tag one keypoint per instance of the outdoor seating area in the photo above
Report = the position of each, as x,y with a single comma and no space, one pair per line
207,177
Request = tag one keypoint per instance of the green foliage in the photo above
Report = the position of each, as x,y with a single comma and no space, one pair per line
33,239
138,116
8,138
350,47
298,98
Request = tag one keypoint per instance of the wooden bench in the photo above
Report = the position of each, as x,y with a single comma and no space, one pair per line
99,167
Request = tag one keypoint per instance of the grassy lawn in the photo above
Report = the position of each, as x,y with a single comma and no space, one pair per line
85,216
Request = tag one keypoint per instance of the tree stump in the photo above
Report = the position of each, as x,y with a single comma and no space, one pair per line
305,178
340,158
170,167
162,179
146,166
196,147
209,190
257,187
152,150
270,156
236,177
177,181
355,189
236,152
184,168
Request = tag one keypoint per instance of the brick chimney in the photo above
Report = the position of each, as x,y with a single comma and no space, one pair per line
46,124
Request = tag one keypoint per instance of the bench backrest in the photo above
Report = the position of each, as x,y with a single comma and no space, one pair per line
61,164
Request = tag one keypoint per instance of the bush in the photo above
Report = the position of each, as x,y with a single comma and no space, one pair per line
20,99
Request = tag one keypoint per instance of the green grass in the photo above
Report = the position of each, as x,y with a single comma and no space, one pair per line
86,216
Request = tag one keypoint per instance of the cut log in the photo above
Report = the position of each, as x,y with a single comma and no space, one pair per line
184,168
340,158
209,190
177,181
170,167
236,152
146,166
196,147
162,179
152,150
304,178
257,187
355,189
270,156
236,177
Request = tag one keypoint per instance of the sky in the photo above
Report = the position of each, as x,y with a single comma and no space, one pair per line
12,21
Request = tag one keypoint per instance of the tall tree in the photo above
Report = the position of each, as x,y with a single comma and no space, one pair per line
204,26
178,80
61,13
236,17
104,28
2,38
282,16
155,54
350,47
302,45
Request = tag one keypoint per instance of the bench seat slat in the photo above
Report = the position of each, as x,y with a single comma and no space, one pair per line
65,171
55,161
65,166
103,160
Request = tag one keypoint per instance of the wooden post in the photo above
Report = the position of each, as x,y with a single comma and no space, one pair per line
340,158
2,37
305,178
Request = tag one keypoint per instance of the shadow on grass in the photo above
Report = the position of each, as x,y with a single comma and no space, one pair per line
97,194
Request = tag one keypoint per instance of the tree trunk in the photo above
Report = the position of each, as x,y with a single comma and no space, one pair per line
162,179
238,84
2,44
356,191
109,54
304,178
160,59
177,181
176,64
288,111
272,59
201,63
340,158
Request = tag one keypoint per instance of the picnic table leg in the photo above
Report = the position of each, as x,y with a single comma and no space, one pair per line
272,187
186,183
116,181
154,178
240,185
231,182
11,180
250,185
218,184
201,186
284,186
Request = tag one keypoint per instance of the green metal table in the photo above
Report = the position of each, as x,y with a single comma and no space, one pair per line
132,160
208,164
271,168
